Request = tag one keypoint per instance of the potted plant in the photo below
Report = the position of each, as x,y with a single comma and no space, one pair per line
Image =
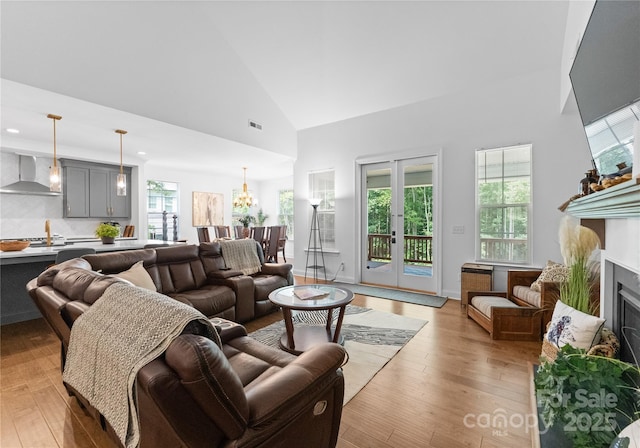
245,221
261,218
586,399
577,243
107,233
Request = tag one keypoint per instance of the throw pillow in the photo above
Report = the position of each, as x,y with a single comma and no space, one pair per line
573,327
138,276
552,272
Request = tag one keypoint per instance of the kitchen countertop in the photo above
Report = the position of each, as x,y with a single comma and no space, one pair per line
49,253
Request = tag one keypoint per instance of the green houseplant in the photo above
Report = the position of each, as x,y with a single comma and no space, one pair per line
261,218
588,398
107,233
577,243
246,220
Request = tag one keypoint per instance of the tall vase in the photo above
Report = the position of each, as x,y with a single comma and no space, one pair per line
246,232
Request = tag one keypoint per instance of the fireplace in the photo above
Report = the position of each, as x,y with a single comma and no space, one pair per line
622,308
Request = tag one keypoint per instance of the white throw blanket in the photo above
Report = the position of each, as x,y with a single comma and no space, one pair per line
241,255
124,330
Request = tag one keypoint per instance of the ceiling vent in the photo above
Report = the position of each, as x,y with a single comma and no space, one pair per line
253,124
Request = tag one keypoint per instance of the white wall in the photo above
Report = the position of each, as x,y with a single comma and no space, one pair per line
522,110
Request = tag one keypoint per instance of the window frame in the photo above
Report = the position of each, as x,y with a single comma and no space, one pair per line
326,209
527,206
287,219
162,200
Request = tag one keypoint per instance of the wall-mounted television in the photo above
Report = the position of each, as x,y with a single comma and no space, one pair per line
606,82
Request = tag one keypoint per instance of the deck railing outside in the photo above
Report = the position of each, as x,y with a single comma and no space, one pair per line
512,249
417,249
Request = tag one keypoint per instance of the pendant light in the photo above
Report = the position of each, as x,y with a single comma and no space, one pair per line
55,179
244,199
121,182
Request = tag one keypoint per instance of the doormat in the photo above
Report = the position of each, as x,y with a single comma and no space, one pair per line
394,294
371,338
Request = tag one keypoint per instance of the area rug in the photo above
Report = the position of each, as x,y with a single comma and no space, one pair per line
372,338
394,294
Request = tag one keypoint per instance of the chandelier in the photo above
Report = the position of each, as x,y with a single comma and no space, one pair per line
244,199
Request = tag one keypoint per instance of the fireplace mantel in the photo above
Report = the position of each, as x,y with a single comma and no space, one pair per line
619,201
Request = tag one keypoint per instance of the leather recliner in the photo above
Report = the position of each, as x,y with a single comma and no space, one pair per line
255,292
197,394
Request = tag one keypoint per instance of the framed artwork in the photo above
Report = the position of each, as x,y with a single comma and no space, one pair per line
207,209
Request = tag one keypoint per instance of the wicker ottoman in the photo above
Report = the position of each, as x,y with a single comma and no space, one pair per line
504,319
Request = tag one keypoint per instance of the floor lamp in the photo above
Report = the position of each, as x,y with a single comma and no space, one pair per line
315,245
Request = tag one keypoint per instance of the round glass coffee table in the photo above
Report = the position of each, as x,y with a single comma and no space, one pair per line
320,298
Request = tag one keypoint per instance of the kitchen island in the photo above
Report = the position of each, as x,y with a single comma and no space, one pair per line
17,268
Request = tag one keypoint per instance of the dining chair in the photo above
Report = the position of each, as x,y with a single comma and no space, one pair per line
203,235
258,234
271,250
238,232
282,241
222,231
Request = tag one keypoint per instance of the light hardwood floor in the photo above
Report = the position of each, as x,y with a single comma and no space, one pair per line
450,370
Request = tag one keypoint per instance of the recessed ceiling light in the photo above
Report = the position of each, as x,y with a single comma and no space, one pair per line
142,153
12,130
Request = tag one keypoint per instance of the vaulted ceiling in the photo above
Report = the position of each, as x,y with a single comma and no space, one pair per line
186,78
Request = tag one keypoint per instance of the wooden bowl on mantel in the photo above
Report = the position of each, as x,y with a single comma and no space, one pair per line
13,245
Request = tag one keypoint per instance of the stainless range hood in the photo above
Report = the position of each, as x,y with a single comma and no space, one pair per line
27,183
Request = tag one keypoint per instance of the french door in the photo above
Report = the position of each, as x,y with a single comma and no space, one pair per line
398,210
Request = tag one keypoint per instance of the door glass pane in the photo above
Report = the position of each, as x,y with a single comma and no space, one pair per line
379,220
418,220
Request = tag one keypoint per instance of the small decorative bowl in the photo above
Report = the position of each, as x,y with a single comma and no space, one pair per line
13,245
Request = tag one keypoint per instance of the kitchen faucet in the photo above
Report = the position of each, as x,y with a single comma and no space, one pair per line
47,228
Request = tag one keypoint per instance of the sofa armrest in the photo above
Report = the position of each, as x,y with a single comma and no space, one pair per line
293,383
281,269
227,329
243,288
550,294
223,273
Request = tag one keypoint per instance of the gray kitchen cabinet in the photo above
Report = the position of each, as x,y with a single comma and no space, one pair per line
75,201
93,186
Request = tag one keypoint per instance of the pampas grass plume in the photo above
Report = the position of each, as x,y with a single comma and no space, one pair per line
576,242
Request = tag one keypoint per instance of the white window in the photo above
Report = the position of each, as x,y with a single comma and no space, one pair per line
322,189
503,204
162,206
285,211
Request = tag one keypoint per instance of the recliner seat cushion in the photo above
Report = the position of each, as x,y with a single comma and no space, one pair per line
265,284
210,300
485,304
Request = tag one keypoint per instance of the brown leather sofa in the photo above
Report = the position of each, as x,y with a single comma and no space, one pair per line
197,275
271,277
243,394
